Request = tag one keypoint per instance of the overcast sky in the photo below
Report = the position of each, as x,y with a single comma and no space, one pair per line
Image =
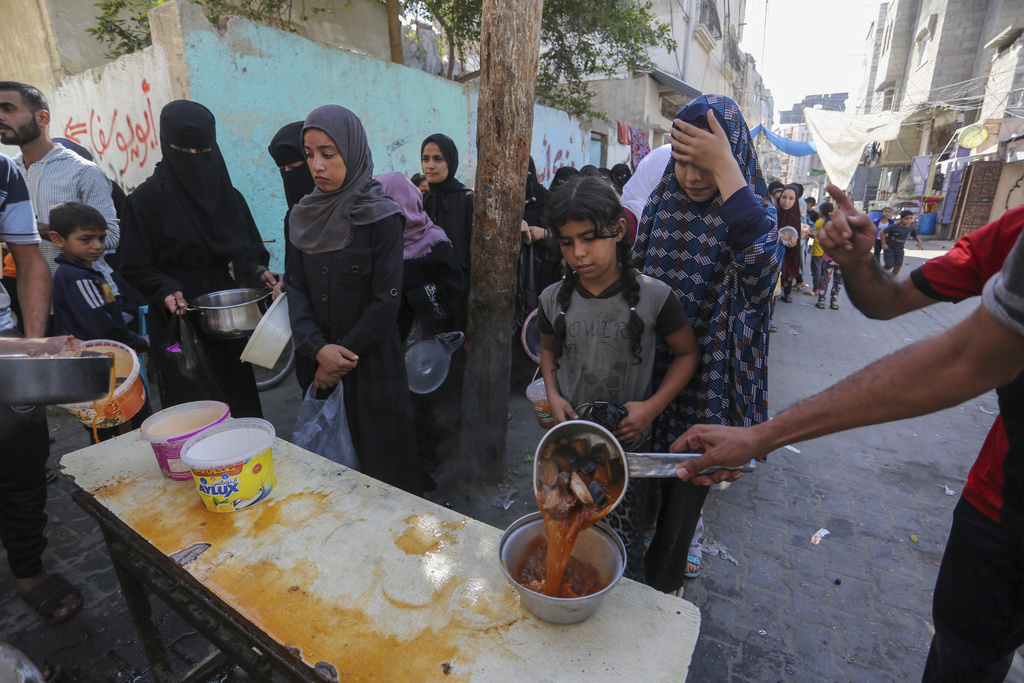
809,47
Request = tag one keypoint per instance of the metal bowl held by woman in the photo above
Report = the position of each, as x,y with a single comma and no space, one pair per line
232,313
48,381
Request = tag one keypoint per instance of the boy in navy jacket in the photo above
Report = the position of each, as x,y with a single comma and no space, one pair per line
83,303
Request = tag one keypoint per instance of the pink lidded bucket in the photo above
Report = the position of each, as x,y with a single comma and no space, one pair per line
168,430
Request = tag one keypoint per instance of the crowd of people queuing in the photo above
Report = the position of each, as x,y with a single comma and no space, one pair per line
683,259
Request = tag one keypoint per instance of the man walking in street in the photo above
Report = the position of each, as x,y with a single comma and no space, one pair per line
978,607
54,174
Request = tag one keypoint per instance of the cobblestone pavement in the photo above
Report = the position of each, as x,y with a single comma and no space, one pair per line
856,607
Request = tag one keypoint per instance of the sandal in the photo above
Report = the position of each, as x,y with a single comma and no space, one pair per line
788,299
834,306
52,673
51,476
821,305
773,328
693,559
46,598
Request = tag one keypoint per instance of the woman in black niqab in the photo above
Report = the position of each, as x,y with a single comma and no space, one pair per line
186,231
286,151
344,286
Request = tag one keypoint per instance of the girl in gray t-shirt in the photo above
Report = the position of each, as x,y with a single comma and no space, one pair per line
598,331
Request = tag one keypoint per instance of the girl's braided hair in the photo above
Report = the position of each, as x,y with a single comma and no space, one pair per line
592,200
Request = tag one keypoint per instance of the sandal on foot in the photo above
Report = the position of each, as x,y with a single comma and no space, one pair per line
834,306
46,598
773,328
693,559
788,299
51,476
820,304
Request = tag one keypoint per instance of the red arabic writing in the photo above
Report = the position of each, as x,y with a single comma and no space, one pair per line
546,165
130,137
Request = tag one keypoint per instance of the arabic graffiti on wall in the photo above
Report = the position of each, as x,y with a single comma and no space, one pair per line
121,137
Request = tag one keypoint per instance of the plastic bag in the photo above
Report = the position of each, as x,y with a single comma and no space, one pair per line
322,428
527,292
193,371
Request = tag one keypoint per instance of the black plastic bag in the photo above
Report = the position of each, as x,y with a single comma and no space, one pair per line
608,415
192,371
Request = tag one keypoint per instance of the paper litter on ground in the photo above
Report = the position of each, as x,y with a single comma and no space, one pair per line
791,448
987,412
716,549
949,491
818,535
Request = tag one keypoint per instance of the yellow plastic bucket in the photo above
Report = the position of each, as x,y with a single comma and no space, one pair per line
231,463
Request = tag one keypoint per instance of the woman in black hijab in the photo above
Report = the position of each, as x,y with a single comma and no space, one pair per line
562,176
286,151
537,268
184,232
449,204
621,176
344,288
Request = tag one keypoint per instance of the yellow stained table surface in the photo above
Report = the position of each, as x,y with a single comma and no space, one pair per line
379,583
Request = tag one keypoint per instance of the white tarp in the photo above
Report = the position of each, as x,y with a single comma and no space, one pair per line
840,138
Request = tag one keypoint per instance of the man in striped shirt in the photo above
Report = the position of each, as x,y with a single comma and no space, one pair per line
54,174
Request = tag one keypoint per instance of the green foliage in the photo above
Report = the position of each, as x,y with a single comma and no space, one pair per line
580,39
123,25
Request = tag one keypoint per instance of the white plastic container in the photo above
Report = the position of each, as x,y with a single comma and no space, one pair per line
270,336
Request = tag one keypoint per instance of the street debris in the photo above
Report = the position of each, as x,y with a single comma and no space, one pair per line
949,491
791,448
762,632
527,456
913,538
987,412
839,582
506,500
818,535
869,336
716,549
794,333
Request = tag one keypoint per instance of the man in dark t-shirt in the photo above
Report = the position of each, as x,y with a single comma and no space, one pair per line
894,239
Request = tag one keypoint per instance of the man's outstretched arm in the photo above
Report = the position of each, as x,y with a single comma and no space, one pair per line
971,358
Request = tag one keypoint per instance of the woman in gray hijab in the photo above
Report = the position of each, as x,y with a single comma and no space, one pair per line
344,289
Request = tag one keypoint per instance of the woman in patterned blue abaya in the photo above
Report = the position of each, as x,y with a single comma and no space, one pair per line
709,231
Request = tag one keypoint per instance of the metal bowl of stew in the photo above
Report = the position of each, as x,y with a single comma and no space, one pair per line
232,313
598,545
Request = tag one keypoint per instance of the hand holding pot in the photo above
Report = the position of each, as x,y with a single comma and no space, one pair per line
175,303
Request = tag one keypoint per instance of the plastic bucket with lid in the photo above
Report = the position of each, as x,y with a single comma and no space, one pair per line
168,430
539,398
231,463
129,396
270,336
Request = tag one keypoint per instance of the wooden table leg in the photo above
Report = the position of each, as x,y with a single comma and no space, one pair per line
136,597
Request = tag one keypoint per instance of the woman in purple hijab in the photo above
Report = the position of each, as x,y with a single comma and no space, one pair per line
432,287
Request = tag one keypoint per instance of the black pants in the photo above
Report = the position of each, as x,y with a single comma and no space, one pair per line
24,449
978,606
878,250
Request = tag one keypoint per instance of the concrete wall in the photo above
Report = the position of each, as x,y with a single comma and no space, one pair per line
113,111
77,50
359,25
255,79
1009,191
28,53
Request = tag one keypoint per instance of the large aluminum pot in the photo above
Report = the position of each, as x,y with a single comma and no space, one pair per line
48,381
598,544
232,313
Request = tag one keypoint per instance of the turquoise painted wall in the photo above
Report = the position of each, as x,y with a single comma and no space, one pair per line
256,79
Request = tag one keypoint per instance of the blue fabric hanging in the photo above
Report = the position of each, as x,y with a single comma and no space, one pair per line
790,147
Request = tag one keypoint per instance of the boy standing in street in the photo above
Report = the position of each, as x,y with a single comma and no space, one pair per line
894,239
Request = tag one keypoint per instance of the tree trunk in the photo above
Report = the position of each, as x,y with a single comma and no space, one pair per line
395,31
509,52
